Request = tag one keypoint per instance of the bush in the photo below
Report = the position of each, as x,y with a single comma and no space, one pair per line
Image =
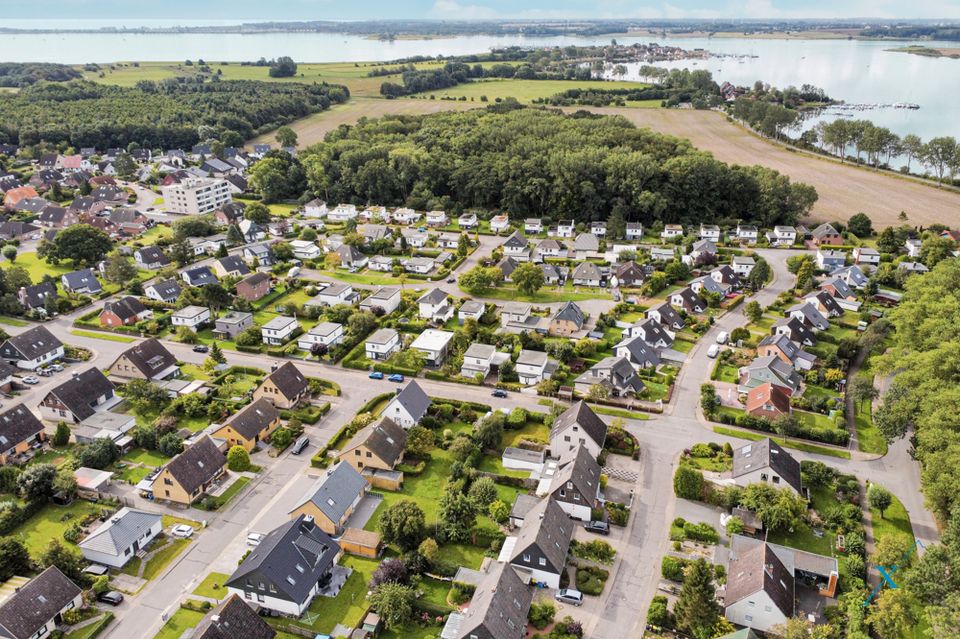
701,532
238,459
659,614
541,614
591,580
595,550
671,568
687,483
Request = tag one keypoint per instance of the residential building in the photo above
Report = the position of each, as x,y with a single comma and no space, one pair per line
231,324
378,446
576,485
585,246
285,386
83,281
190,474
6,376
409,406
565,228
79,397
332,498
20,430
634,231
421,265
809,314
106,425
437,218
787,350
149,360
479,359
279,330
658,254
200,276
467,221
471,309
826,235
258,256
325,333
629,275
498,609
382,344
795,329
38,296
666,316
838,288
233,619
567,321
709,232
553,275
166,291
499,223
118,540
598,228
912,267
782,236
547,248
284,572
191,316
253,424
533,225
351,257
726,277
615,374
866,255
913,247
825,303
517,247
534,366
196,196
742,265
342,213
516,313
335,294
671,231
765,461
254,287
768,400
578,425
747,233
435,306
702,251
125,311
231,265
771,369
637,352
689,301
32,348
538,553
507,266
36,609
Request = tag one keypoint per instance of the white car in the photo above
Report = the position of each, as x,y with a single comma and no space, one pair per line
182,531
31,379
254,538
56,368
713,351
722,337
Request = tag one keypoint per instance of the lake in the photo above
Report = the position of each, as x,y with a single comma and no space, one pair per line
851,70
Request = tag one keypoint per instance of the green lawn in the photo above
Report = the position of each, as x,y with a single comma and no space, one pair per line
802,536
531,430
132,474
348,607
110,337
525,90
653,391
12,321
682,346
50,523
728,373
37,268
424,489
150,458
163,557
91,630
812,390
170,520
815,420
869,437
461,555
206,589
231,492
181,621
194,372
493,465
792,443
895,521
620,412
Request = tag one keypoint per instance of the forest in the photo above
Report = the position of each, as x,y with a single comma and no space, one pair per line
163,114
23,74
538,162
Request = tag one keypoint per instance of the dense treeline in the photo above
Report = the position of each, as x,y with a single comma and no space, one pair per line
542,163
155,114
604,97
17,74
913,31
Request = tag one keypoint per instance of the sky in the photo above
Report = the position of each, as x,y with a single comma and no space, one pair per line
293,10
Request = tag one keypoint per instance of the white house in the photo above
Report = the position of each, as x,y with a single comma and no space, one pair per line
598,228
421,265
437,218
315,209
515,313
471,309
118,540
405,216
382,344
586,246
782,236
634,231
480,358
747,233
342,213
279,330
764,461
658,254
408,407
499,223
380,213
533,225
326,333
533,367
828,260
191,316
304,250
864,255
467,221
913,247
434,306
382,263
517,247
742,266
671,231
710,232
32,349
385,297
333,295
434,345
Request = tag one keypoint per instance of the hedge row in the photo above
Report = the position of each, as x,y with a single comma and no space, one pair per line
385,367
835,436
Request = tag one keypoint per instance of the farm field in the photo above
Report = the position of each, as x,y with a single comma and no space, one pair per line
524,90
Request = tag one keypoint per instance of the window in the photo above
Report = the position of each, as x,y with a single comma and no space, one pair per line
526,557
542,562
248,595
576,496
776,479
763,477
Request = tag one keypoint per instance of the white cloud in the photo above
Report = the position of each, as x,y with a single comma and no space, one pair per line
451,9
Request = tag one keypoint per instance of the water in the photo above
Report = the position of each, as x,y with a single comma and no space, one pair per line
850,70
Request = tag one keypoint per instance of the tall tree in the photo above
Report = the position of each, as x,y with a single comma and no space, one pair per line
528,277
81,243
697,610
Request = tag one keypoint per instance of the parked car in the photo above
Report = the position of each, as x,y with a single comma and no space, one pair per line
183,531
499,392
570,596
31,379
722,337
56,368
300,444
375,375
713,351
111,597
201,348
451,280
396,377
254,538
43,371
599,527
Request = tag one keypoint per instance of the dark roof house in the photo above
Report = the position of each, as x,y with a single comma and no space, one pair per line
34,610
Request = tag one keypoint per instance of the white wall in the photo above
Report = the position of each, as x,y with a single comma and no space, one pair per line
763,614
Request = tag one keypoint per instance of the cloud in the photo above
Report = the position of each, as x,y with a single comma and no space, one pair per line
451,9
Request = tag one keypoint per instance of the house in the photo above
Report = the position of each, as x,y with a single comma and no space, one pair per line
335,294
782,236
471,309
386,298
765,461
196,195
233,618
191,473
342,213
382,344
533,225
166,291
78,398
382,263
56,217
434,345
315,208
771,369
408,407
6,377
332,498
726,277
585,246
768,400
575,426
258,255
702,251
865,255
478,359
517,247
534,366
279,330
499,223
666,316
35,609
553,275
826,303
20,430
538,553
706,284
150,257
838,289
709,232
200,276
671,231
378,446
231,265
747,233
743,266
567,321
285,387
795,329
191,316
82,281
149,360
629,275
565,228
32,348
634,231
118,540
809,314
787,350
449,240
637,352
576,485
658,254
254,287
852,275
515,313
467,221
284,572
13,196
651,332
437,218
304,250
913,247
253,424
507,266
616,374
351,257
422,265
769,584
826,235
434,306
587,274
912,267
233,323
126,311
598,228
689,301
498,609
405,216
325,333
38,296
547,248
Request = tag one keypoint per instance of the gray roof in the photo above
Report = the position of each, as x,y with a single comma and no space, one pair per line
84,278
547,527
435,296
766,453
481,351
16,425
472,306
586,270
641,353
234,317
117,534
532,358
582,416
233,619
168,289
79,391
515,240
35,604
798,330
335,491
35,342
384,438
414,400
668,315
233,263
257,416
150,357
280,322
570,312
581,469
382,336
586,242
522,505
198,464
200,276
125,307
759,568
289,380
499,606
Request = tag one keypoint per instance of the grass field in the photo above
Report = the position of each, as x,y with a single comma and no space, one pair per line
524,90
163,557
181,621
791,443
110,337
50,523
206,589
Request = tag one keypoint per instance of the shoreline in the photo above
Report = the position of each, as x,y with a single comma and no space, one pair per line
952,53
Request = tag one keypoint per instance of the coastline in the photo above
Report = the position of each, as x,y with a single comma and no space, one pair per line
952,53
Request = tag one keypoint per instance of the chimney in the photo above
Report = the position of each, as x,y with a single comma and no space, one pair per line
308,522
768,568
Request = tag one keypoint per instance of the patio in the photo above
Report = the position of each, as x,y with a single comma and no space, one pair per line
338,577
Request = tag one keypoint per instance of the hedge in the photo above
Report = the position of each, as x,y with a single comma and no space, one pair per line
671,568
836,436
368,407
16,516
327,384
249,349
385,367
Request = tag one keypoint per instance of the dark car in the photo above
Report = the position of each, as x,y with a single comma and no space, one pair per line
111,597
396,377
451,280
300,444
201,348
499,393
599,527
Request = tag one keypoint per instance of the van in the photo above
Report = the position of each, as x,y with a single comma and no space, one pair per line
722,337
300,444
713,351
570,596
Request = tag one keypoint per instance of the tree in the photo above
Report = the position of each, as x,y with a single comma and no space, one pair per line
936,249
394,603
286,137
940,153
216,354
483,491
234,236
144,396
912,147
390,570
283,67
598,392
14,558
860,225
65,484
687,483
403,524
778,509
36,482
62,435
81,243
499,511
696,610
891,615
480,279
69,562
888,242
800,628
429,550
786,425
186,335
734,526
10,252
753,311
170,445
420,441
238,459
893,550
528,277
257,212
181,252
120,269
880,498
457,516
489,430
216,296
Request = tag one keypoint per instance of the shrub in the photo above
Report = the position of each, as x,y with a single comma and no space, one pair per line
591,580
672,568
595,550
541,614
687,483
701,532
659,614
238,459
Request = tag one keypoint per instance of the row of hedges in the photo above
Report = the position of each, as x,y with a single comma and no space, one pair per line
834,436
386,367
307,414
326,384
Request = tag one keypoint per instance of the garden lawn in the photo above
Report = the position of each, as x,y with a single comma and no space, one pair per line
348,607
206,589
181,621
812,390
620,412
424,489
109,337
461,555
815,420
791,443
150,458
728,373
50,523
132,474
12,321
412,631
170,520
531,430
653,392
231,492
490,464
163,557
869,437
682,346
37,267
895,521
92,629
